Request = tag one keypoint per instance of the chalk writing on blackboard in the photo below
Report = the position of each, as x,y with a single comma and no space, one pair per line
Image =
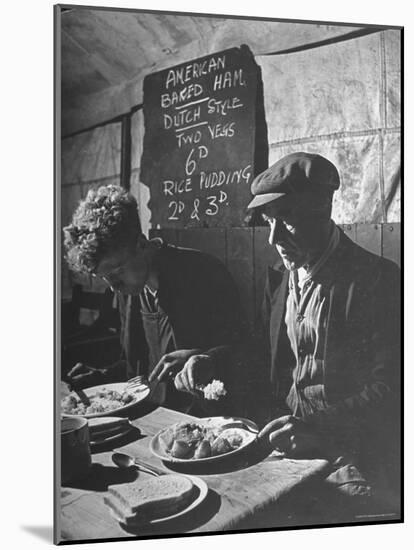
198,157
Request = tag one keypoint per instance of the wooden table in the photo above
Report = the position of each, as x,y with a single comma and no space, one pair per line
238,491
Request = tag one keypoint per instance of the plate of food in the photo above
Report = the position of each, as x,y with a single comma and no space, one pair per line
203,440
155,500
104,400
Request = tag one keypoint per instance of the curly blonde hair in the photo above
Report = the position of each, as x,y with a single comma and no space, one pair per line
107,219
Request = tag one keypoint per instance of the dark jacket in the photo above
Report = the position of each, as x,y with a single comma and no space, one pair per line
362,354
202,304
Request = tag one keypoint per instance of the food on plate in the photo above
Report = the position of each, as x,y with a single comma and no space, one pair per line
221,446
213,391
185,432
143,501
191,440
105,400
203,450
180,449
234,436
168,440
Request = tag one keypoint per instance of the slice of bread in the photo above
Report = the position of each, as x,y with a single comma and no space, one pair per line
151,499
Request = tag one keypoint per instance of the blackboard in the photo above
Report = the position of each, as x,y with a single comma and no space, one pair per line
199,144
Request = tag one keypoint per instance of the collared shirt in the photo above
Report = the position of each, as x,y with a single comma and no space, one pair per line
149,300
306,321
159,332
196,306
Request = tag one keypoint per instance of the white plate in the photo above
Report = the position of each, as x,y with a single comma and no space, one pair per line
119,387
158,449
203,490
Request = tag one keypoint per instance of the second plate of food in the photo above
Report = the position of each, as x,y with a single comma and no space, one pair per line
106,399
204,439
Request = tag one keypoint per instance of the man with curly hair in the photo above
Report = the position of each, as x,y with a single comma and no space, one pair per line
180,312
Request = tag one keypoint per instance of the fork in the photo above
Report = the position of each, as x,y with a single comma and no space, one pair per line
83,397
239,424
137,381
141,382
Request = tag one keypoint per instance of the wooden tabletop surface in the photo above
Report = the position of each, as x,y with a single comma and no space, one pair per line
238,488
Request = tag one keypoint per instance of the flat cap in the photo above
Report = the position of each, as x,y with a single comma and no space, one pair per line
295,173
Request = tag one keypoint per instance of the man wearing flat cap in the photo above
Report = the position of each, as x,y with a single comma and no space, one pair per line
332,311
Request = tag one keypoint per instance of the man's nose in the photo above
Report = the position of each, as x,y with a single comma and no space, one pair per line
276,232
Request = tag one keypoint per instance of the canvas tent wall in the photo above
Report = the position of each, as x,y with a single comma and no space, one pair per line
329,89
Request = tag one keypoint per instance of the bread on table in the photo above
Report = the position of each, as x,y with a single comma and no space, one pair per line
143,501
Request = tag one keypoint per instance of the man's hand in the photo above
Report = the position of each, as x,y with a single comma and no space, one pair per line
291,436
82,376
171,363
199,369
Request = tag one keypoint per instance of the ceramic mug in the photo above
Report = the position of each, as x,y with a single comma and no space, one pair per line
75,449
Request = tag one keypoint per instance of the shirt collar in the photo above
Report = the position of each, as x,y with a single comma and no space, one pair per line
326,254
150,290
317,267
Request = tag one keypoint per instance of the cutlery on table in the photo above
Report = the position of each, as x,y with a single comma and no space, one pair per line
66,389
239,424
82,396
140,381
123,460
